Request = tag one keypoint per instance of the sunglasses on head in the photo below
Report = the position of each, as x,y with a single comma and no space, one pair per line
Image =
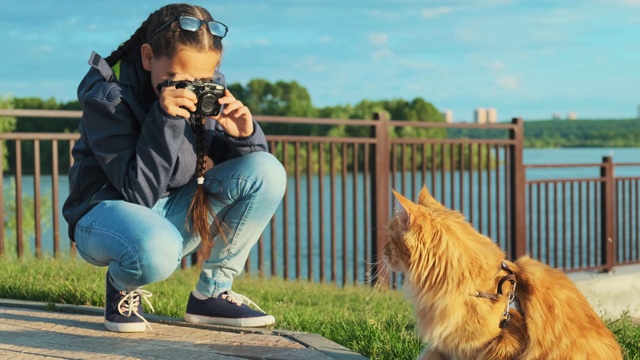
190,23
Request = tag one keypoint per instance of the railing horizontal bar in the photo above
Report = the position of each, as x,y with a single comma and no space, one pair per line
568,180
320,139
623,178
61,114
313,121
452,141
420,124
546,166
39,136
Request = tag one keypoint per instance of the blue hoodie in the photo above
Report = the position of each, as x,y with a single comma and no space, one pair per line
130,148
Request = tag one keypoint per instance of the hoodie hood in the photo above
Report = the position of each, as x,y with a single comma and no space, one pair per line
129,73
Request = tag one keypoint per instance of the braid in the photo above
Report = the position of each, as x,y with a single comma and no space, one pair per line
200,208
202,143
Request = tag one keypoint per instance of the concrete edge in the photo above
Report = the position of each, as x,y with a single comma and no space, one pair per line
309,340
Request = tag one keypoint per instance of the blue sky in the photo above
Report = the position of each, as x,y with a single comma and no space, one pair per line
524,58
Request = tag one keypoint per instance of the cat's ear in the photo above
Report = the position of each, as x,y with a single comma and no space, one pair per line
425,199
406,206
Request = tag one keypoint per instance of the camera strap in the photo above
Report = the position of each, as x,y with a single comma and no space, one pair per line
166,83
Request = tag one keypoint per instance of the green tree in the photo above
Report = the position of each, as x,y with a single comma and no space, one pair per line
279,99
7,124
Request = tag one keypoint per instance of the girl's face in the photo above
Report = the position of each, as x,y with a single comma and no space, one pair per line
187,64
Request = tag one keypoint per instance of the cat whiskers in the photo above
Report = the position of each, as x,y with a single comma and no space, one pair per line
381,271
379,278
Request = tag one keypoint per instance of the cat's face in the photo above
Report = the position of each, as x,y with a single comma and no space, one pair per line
410,232
395,252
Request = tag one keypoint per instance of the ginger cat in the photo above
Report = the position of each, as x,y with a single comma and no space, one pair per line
461,285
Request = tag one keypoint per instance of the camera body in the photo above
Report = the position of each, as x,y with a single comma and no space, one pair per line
207,93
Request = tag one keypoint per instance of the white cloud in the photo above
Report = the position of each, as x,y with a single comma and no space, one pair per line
379,38
384,15
382,54
70,21
325,39
623,2
42,48
258,42
467,35
496,65
509,82
480,60
435,12
420,65
311,64
496,2
550,36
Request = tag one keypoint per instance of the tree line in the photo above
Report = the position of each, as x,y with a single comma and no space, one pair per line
568,133
291,99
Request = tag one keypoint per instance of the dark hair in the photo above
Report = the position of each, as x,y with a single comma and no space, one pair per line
165,44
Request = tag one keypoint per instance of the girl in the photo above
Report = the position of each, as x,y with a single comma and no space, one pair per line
140,198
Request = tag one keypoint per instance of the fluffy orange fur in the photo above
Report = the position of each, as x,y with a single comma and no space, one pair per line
448,264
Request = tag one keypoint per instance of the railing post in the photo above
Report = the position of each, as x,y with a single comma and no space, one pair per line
607,213
19,205
380,191
2,151
517,192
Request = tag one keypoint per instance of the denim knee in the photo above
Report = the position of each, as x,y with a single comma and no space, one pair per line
157,256
271,173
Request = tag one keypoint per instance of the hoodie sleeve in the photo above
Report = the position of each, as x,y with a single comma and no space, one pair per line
224,147
138,157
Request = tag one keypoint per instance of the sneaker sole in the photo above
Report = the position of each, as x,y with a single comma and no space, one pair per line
240,322
125,327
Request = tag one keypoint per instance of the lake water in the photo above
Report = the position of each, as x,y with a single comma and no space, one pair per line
531,156
579,156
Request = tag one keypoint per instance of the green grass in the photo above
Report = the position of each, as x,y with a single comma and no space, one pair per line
375,322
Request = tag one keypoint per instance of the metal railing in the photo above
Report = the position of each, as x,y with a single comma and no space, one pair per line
331,224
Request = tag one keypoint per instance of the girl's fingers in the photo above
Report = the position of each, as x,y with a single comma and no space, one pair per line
178,102
231,107
242,112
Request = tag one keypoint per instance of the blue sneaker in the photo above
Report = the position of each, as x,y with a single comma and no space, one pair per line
119,307
227,309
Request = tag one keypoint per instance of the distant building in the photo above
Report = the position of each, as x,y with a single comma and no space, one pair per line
556,116
480,116
485,116
492,116
448,116
572,116
638,111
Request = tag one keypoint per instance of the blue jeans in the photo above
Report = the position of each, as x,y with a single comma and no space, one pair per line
141,245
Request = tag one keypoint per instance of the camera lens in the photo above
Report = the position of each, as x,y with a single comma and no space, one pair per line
208,104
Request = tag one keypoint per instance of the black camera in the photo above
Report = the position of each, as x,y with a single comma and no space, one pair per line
207,93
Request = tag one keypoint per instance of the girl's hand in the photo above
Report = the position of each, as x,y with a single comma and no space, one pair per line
235,118
178,102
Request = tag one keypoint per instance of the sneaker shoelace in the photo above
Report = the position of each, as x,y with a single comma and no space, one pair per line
239,299
131,300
